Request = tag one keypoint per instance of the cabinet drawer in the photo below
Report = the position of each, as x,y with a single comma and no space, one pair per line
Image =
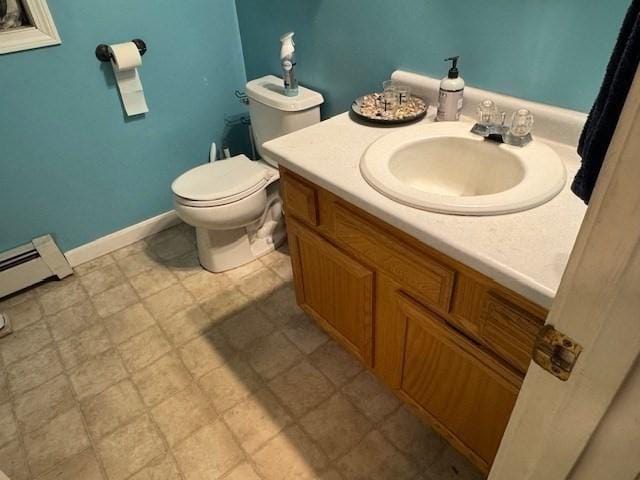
300,199
426,279
509,330
465,392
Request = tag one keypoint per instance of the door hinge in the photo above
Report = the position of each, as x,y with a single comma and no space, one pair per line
555,352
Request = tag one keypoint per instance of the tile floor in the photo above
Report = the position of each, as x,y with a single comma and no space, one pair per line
144,366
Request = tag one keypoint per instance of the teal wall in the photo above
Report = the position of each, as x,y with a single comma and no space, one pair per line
70,164
551,51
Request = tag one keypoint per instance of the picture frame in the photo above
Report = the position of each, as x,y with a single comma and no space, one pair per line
40,30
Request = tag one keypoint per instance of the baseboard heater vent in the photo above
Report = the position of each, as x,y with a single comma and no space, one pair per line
31,263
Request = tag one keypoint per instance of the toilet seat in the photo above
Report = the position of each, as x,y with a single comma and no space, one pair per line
221,182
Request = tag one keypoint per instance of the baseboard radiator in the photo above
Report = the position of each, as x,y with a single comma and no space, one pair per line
29,264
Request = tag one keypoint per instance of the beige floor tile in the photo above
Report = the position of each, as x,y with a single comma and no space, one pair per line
144,349
242,271
61,295
8,426
372,398
163,468
186,325
205,284
130,448
114,300
171,247
282,268
291,455
72,320
81,347
336,426
129,322
184,413
137,262
244,471
159,381
335,362
34,370
256,420
376,459
209,453
228,385
280,306
185,265
281,252
17,298
245,327
39,406
95,264
260,284
13,461
23,313
152,281
451,465
168,302
59,440
225,304
102,279
112,408
129,250
301,388
272,355
97,374
24,342
411,436
83,466
4,389
305,333
203,354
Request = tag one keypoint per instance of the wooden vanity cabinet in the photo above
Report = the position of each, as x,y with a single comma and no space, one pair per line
447,340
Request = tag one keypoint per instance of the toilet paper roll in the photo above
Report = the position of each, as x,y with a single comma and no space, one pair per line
125,59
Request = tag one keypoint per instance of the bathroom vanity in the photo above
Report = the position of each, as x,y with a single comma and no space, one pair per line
444,309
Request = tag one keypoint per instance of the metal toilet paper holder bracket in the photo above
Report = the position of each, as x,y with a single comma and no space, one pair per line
103,54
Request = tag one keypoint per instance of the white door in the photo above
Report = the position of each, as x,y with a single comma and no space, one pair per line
589,426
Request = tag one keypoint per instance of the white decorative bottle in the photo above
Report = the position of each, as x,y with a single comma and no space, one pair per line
451,93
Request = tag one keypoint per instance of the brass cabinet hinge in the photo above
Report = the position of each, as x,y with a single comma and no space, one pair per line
555,352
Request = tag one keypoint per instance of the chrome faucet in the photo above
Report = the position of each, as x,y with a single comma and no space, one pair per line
491,125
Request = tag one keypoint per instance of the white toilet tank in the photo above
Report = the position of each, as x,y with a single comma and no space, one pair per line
273,114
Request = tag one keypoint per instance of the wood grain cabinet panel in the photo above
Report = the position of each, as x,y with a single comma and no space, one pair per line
464,390
300,199
335,289
427,279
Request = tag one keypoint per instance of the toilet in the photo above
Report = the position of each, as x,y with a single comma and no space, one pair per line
234,204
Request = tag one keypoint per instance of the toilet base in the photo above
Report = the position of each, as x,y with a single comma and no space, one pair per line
222,250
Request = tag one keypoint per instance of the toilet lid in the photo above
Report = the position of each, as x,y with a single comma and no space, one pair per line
235,177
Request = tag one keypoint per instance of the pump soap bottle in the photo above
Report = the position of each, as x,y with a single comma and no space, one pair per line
288,62
451,93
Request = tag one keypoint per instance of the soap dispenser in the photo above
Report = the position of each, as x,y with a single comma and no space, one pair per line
451,93
288,62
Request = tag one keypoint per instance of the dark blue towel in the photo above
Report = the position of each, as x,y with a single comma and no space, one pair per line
604,115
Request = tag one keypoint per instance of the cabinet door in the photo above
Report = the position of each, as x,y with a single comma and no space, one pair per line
460,388
335,289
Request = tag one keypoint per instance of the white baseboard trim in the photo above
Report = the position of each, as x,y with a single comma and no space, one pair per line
121,238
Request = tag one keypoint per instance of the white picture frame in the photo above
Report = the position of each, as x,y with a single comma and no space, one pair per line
41,33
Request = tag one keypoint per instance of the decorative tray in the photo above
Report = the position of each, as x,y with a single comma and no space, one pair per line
371,108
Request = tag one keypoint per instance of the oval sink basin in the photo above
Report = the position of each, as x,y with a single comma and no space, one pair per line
445,168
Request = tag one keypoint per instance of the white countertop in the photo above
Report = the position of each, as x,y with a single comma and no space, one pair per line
526,251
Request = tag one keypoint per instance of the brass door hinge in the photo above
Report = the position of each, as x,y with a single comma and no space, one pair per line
555,352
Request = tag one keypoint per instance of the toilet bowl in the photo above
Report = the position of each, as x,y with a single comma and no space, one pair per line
235,206
235,203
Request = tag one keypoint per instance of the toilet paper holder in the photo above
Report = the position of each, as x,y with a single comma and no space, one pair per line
103,54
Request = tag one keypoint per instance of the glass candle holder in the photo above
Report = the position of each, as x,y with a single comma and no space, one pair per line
390,96
521,123
404,94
